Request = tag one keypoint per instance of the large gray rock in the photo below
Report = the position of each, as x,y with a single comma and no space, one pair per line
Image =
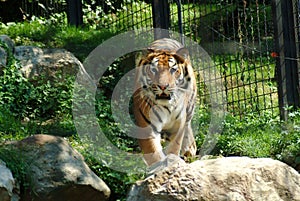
58,173
47,62
3,57
8,41
9,45
223,179
7,184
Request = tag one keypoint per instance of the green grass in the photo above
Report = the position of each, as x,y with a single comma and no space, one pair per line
253,136
249,82
56,33
141,17
262,136
18,164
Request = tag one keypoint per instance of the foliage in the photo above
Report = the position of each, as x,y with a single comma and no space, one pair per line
12,128
254,135
27,105
261,136
50,99
117,15
55,32
17,163
38,98
287,148
14,88
118,182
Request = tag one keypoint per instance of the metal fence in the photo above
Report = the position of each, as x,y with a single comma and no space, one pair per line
238,35
254,43
286,18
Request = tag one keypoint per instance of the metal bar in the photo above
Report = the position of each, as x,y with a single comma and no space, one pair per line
286,47
161,18
178,3
74,12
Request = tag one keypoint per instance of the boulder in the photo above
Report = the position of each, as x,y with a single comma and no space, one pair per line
57,172
46,62
230,179
3,57
10,45
41,64
7,184
8,41
29,57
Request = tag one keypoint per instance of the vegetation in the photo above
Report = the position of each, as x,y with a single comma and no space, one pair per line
28,108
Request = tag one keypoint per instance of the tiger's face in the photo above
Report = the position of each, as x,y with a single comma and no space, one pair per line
162,74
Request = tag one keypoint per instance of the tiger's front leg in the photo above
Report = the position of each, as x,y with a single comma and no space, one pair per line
188,147
152,150
183,142
175,143
148,134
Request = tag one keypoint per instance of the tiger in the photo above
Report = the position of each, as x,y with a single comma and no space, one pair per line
164,101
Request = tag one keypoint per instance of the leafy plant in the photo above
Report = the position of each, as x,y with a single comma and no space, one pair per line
119,182
14,88
18,164
287,147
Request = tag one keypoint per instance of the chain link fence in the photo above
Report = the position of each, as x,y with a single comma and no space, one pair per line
240,37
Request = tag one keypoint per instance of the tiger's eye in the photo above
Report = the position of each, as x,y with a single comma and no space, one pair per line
173,70
153,70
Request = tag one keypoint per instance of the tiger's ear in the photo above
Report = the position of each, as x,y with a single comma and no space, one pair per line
182,54
150,50
144,52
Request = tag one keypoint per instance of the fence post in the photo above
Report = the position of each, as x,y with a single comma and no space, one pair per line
161,18
74,12
287,63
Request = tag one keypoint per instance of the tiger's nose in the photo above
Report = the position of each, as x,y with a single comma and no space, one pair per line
163,87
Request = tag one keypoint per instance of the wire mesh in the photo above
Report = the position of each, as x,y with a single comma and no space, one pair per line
43,8
120,16
296,13
238,35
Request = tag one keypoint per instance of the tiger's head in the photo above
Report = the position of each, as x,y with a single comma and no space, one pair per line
163,74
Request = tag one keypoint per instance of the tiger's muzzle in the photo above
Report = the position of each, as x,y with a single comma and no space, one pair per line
162,92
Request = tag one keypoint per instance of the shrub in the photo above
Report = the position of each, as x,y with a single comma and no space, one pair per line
14,88
18,164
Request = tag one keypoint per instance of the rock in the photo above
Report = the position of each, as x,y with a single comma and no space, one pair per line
30,57
8,41
47,62
3,54
230,179
7,184
3,57
57,172
40,63
170,160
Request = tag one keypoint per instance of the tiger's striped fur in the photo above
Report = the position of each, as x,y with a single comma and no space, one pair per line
164,100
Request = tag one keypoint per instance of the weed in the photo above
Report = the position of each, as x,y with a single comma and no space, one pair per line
18,164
